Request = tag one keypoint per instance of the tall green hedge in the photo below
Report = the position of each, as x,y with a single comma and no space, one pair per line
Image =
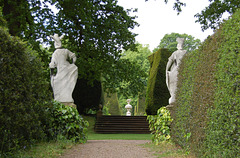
207,112
140,109
111,101
24,93
157,92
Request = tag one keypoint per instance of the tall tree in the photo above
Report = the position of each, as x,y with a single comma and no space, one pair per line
139,59
211,16
96,31
31,20
169,41
129,90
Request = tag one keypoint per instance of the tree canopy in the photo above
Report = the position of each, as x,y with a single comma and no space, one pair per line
96,31
140,64
169,41
211,16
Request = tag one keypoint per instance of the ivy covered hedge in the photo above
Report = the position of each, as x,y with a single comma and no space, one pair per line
157,92
208,96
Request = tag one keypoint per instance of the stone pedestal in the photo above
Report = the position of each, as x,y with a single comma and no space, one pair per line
170,106
70,104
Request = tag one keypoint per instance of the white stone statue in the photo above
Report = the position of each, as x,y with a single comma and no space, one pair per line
172,69
128,107
64,81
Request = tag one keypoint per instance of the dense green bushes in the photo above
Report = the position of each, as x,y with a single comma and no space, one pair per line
223,127
27,113
160,125
157,91
65,121
23,94
208,102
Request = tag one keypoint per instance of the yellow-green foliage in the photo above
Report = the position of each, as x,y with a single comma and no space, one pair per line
160,125
140,111
208,95
111,101
157,91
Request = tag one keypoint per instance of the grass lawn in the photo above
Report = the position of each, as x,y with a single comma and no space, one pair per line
167,150
52,149
119,136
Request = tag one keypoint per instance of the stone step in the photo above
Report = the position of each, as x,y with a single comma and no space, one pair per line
122,124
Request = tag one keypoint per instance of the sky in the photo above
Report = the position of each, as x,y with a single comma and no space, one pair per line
157,19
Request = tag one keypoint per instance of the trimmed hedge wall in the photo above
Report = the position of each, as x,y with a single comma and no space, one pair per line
140,109
24,94
111,101
207,112
157,92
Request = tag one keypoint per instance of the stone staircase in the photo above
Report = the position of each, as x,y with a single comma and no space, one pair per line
122,124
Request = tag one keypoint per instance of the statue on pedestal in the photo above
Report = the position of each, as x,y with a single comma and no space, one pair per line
64,81
128,107
172,69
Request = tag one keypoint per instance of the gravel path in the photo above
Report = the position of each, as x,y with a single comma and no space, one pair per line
109,149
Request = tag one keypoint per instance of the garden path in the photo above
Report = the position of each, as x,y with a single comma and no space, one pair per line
110,149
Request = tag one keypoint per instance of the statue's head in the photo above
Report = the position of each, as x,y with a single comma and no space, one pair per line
57,40
180,43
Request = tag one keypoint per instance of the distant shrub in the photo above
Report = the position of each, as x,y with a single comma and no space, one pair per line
157,92
111,102
206,114
140,110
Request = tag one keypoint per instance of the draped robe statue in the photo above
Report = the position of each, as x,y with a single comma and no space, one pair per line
64,81
172,69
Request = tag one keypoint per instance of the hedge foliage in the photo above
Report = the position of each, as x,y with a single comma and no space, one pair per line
111,102
157,92
24,94
208,95
140,109
160,125
65,121
27,113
